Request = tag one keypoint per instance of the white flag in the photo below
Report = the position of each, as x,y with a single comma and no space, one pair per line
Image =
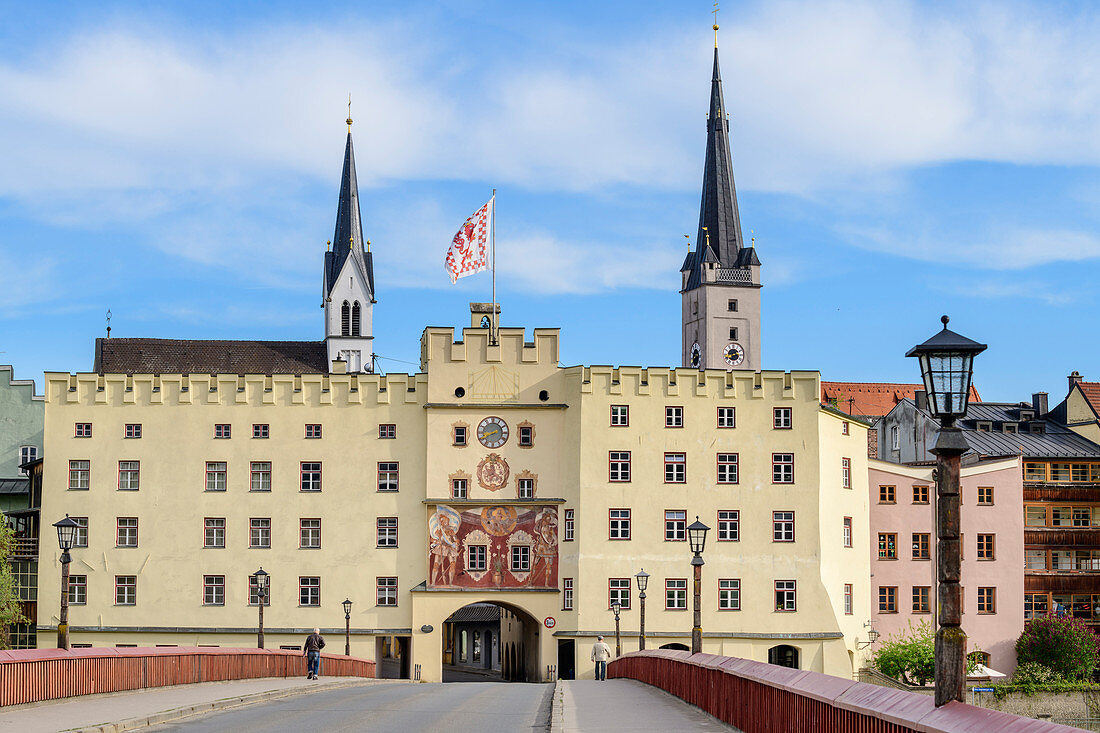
469,252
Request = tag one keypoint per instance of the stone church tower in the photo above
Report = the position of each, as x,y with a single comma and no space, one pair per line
348,286
721,276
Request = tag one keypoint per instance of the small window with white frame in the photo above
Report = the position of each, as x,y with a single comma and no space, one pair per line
782,418
785,595
729,594
727,417
521,559
458,488
132,430
387,431
619,524
567,594
676,594
27,453
525,488
727,468
620,416
729,525
674,416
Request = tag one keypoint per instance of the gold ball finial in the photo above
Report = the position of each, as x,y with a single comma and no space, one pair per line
715,26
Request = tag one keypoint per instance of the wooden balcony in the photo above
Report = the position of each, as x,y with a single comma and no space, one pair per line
24,548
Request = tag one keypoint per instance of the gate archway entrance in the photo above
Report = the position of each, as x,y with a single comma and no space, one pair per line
490,641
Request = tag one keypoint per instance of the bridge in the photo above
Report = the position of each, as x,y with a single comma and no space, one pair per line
205,689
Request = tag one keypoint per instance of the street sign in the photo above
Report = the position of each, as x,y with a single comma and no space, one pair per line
550,622
982,689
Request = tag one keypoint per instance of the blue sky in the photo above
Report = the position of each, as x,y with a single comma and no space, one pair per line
179,164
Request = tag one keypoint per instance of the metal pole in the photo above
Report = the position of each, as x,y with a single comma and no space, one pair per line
260,629
347,634
63,622
641,621
697,629
618,639
493,250
950,670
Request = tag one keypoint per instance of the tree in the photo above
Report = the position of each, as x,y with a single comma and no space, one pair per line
10,608
1061,643
910,656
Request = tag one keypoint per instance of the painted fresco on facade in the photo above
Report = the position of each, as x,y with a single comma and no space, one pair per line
493,547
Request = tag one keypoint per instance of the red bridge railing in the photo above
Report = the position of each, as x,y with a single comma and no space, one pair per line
763,698
31,675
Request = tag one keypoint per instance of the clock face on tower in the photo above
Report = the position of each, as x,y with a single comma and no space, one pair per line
695,355
492,432
733,354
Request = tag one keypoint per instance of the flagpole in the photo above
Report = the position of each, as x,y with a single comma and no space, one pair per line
493,249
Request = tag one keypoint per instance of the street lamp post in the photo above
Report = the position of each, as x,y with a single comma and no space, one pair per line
263,585
347,627
947,365
66,535
616,607
697,538
643,580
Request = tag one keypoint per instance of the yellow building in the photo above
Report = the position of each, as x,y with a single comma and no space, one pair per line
493,475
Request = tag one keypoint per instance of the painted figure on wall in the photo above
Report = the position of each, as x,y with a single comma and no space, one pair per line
496,546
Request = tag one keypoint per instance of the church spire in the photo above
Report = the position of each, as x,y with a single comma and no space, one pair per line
347,241
719,219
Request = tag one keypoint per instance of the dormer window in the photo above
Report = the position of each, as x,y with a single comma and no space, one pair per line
1026,415
1010,427
1038,427
985,426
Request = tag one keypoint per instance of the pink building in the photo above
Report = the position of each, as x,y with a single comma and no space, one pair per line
903,584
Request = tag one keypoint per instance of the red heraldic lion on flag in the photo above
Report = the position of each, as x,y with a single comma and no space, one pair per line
468,253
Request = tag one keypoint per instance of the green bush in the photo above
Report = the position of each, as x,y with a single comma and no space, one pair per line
1033,674
1062,644
910,656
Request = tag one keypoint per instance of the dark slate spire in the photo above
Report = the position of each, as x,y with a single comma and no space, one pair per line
718,209
348,238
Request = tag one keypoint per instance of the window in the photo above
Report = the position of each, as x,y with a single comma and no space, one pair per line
213,590
387,431
128,474
847,531
460,435
387,531
254,592
80,537
1035,559
922,599
1035,516
729,594
27,453
676,594
458,488
214,532
729,525
782,468
216,475
313,430
1035,472
125,590
526,436
922,549
920,494
782,526
620,416
785,599
986,546
78,590
733,334
1036,605
985,495
987,600
132,430
675,525
260,472
567,532
567,594
521,558
674,417
309,534
887,495
618,591
83,430
619,465
887,546
309,591
387,591
126,534
311,476
895,438
259,532
619,524
261,430
727,468
525,488
844,428
79,475
387,476
848,599
675,468
731,305
727,417
846,473
887,599
477,558
222,430
781,418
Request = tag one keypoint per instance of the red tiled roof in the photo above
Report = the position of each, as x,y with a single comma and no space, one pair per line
1091,390
873,398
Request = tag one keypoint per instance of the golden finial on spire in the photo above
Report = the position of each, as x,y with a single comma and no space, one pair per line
715,11
349,109
368,246
752,233
688,241
708,235
328,243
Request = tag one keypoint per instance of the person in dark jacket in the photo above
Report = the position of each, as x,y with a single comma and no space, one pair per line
314,644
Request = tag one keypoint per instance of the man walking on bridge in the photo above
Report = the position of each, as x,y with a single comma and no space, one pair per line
314,644
600,654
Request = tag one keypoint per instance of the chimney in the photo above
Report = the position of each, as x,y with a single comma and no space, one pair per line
339,366
1074,378
1039,403
921,398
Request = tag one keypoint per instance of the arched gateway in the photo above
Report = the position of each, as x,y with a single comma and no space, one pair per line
491,641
